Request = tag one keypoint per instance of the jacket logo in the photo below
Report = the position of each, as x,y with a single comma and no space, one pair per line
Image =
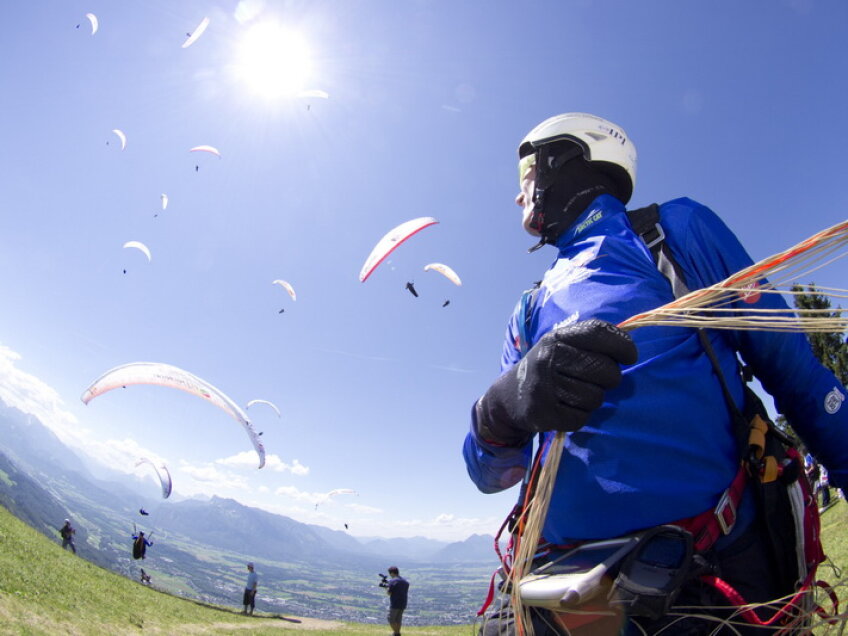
833,401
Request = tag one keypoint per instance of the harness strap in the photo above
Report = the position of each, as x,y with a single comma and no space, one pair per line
646,223
709,526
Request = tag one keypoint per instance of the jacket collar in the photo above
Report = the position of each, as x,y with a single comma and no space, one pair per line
601,208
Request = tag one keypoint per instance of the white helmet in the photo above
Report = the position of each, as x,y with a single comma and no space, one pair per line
602,142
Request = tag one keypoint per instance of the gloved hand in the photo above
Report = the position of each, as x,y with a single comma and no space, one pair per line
557,385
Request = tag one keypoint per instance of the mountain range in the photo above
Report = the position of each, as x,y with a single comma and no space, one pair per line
42,481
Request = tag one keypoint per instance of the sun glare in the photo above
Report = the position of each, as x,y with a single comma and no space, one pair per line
273,61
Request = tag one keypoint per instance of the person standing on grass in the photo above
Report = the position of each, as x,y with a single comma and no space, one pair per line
398,591
250,587
68,531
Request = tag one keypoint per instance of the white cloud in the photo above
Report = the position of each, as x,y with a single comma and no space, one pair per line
211,477
247,459
31,395
121,454
27,393
297,494
364,509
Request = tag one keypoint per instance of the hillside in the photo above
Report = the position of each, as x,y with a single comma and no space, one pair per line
46,590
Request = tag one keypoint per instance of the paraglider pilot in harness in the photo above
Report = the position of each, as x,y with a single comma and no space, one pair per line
140,544
651,418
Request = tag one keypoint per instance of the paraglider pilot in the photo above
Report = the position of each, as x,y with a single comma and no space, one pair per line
68,531
140,545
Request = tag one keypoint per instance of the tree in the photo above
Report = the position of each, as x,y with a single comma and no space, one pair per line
830,348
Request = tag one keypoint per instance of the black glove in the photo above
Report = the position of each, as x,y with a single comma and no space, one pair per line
557,385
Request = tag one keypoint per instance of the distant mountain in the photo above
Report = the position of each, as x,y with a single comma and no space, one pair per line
27,440
404,549
476,548
112,502
229,525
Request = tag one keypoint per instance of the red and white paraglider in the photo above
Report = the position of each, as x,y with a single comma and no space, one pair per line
158,373
391,241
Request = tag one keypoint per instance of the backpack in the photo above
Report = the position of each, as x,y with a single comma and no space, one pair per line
139,548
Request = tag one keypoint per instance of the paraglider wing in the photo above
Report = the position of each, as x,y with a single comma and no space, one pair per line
94,23
391,241
341,491
314,93
285,285
198,31
121,136
333,493
161,374
163,475
164,201
140,246
210,149
445,271
271,404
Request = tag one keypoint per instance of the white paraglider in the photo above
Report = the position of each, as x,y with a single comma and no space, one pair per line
140,246
391,241
164,201
161,472
158,373
314,92
287,286
445,271
271,404
94,23
334,493
198,31
210,149
121,136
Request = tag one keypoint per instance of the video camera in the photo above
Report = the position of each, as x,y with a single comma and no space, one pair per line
385,580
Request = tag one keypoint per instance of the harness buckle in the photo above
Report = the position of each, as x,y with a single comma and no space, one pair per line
725,512
654,241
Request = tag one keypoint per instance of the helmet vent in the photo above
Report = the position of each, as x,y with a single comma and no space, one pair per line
596,136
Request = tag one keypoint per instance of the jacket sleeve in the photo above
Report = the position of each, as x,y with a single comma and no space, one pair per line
805,391
492,467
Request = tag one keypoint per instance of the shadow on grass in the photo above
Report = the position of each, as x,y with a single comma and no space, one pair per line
238,612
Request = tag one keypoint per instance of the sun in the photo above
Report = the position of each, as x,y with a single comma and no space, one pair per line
273,61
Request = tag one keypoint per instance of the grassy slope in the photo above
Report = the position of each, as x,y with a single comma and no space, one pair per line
46,590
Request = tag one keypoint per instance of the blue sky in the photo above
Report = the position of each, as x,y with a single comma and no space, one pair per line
740,105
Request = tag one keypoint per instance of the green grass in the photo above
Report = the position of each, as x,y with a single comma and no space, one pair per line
47,590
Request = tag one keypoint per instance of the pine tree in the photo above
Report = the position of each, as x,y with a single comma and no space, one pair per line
830,348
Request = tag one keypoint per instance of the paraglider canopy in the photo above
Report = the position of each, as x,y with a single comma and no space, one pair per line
94,22
204,148
391,241
140,246
445,271
287,286
158,373
121,136
334,493
271,404
314,93
194,35
163,475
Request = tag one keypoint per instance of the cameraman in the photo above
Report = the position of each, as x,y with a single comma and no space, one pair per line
397,588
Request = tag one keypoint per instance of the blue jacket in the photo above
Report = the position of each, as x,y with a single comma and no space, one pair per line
661,448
